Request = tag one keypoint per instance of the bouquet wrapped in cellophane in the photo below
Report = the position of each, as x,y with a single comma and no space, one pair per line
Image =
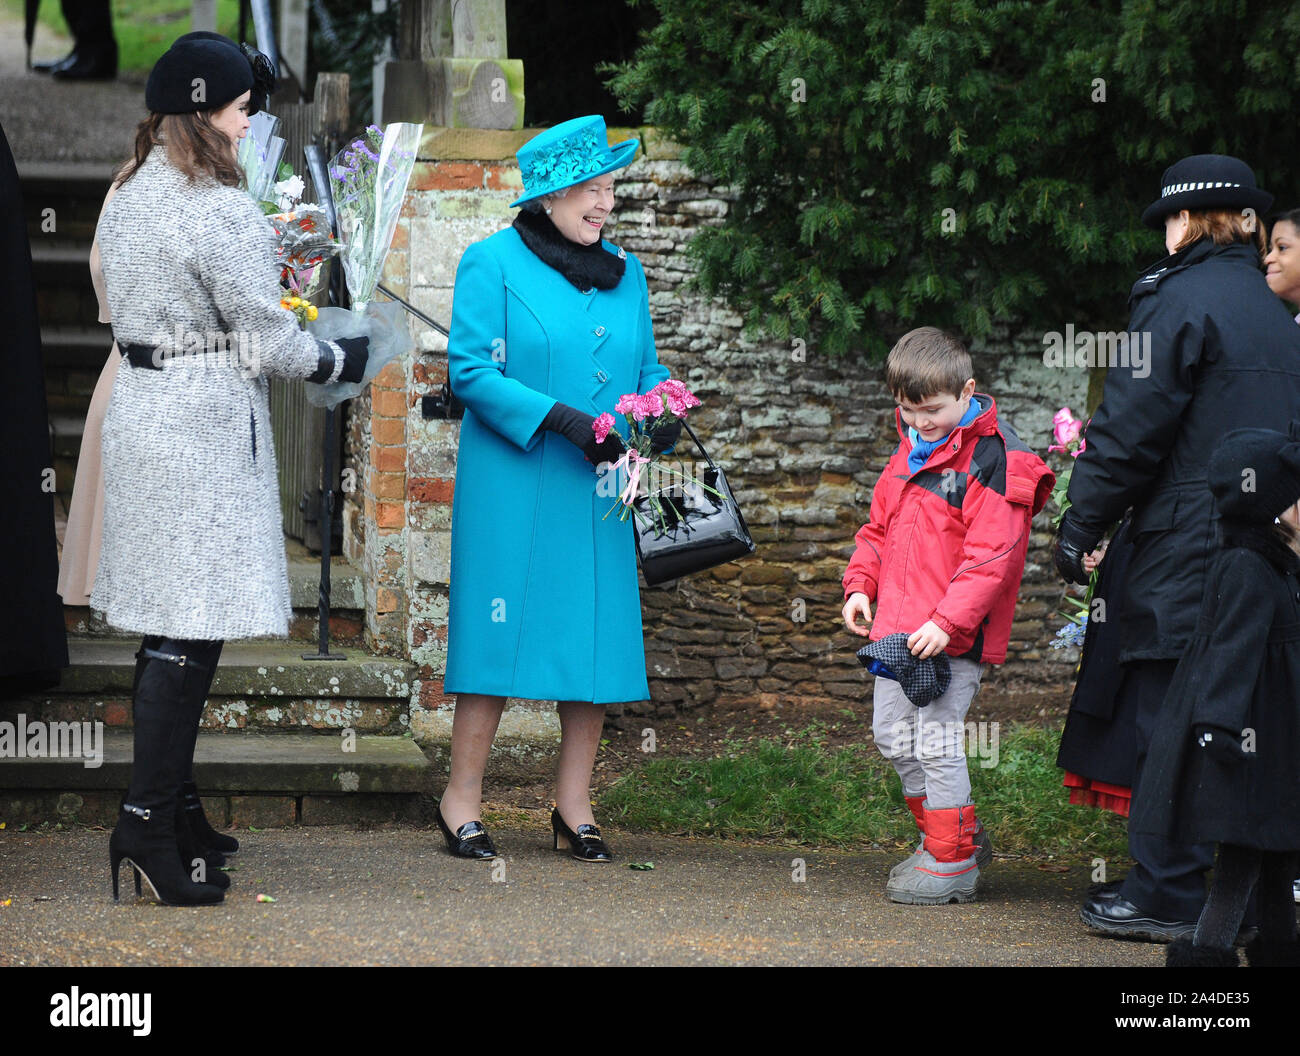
368,179
260,154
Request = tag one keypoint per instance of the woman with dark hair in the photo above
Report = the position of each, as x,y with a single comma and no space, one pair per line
1224,354
192,550
1282,265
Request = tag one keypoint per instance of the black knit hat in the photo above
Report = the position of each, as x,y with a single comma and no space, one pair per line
922,681
1206,181
263,72
197,74
1255,473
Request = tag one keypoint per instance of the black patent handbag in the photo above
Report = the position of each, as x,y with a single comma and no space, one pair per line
698,530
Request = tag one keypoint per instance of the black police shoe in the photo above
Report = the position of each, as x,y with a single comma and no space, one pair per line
1118,918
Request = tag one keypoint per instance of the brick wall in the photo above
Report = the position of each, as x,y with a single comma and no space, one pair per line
802,435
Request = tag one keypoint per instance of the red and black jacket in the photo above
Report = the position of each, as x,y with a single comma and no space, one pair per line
948,543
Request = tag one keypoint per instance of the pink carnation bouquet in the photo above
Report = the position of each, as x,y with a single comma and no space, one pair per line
667,402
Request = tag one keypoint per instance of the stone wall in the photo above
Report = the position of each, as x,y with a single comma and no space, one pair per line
802,436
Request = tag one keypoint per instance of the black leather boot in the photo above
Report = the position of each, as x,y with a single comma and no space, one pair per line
203,865
216,844
145,837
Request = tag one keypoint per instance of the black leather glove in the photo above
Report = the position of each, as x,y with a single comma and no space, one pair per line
1223,744
1072,543
662,437
357,352
576,427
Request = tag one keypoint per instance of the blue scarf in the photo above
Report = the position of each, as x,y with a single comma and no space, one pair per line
923,449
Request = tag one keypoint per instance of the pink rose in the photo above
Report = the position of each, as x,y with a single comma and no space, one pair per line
601,427
1065,429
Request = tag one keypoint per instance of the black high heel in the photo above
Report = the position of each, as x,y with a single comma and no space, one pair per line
192,851
147,843
585,845
471,840
203,831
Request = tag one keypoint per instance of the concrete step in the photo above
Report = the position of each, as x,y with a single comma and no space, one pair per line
260,779
259,685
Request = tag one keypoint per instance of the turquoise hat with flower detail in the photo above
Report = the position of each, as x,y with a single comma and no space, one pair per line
568,154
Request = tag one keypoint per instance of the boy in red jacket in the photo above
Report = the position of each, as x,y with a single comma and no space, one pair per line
942,557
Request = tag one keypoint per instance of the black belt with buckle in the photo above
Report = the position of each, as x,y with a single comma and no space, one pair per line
139,355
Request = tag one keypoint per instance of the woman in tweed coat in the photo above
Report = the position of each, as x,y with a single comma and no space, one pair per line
192,550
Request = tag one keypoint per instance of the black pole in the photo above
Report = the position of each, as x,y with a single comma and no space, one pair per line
337,296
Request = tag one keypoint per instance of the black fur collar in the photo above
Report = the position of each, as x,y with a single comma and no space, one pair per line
584,266
1262,539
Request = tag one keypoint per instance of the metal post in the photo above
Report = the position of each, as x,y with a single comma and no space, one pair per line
337,295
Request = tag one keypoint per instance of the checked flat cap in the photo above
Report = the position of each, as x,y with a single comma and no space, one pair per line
922,680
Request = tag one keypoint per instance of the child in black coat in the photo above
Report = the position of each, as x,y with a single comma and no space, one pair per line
1222,768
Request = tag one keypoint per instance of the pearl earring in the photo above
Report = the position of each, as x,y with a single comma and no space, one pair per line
548,210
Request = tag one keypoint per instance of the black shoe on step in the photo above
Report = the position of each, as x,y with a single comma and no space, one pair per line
50,65
88,65
471,840
585,845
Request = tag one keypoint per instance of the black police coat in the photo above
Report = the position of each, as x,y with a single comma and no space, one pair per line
1240,676
1224,354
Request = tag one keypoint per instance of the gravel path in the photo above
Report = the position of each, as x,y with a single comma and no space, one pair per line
395,897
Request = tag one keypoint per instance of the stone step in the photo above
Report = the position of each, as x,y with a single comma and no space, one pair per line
260,685
62,199
62,261
260,779
76,347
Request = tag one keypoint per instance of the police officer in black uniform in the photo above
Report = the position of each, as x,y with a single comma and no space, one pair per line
1224,354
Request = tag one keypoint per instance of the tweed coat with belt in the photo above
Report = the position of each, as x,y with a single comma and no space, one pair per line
545,602
193,545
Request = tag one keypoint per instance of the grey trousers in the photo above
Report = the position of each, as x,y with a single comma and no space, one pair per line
927,745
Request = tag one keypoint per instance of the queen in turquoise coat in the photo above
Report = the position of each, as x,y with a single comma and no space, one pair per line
548,321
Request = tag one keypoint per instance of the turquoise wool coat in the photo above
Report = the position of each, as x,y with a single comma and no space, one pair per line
545,602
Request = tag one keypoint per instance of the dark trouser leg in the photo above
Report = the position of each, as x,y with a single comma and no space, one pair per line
1168,878
90,23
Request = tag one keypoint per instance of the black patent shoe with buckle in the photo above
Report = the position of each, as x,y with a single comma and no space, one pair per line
471,840
585,845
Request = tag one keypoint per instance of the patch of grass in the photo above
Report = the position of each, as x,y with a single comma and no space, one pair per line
800,789
144,28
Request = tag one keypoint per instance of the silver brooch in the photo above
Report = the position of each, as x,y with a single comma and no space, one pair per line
622,253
